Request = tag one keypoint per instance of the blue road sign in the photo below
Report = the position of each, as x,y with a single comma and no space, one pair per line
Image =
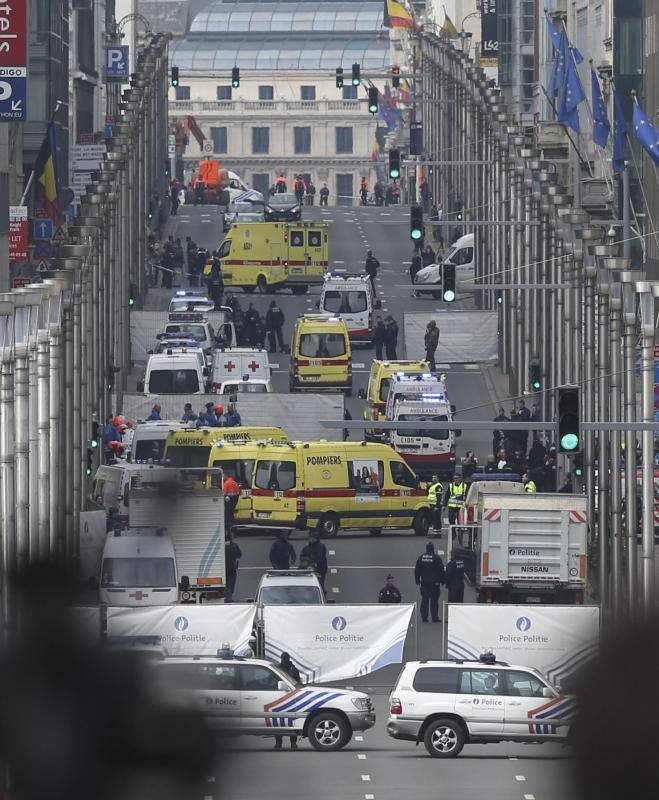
13,94
43,249
116,61
42,229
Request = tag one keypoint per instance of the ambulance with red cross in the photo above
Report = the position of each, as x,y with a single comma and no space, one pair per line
241,369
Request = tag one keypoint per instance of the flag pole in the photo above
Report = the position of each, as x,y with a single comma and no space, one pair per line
30,180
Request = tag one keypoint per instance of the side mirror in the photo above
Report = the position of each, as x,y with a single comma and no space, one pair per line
457,434
318,305
149,352
249,600
453,409
140,387
160,336
282,686
206,371
547,692
361,394
92,583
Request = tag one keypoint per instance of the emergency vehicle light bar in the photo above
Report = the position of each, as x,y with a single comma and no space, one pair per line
186,316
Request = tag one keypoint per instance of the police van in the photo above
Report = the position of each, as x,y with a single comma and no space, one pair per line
190,301
270,255
189,325
447,704
351,299
320,354
377,390
241,696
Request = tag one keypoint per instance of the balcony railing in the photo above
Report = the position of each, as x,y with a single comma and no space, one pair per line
259,107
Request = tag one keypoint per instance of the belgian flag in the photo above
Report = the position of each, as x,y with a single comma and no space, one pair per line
396,15
45,175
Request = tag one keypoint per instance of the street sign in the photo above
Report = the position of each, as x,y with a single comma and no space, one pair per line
117,65
171,150
208,146
18,233
42,229
19,283
42,249
43,266
86,157
13,92
13,34
171,139
59,237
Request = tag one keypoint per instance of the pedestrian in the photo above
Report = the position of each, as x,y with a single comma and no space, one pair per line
280,184
167,267
454,498
424,189
216,282
154,416
363,192
188,414
428,256
438,235
379,337
378,191
110,434
199,192
282,554
523,415
491,464
390,593
435,496
299,189
371,267
207,417
537,453
348,417
311,193
396,193
502,461
220,419
316,552
258,332
174,201
428,576
568,486
391,338
469,464
274,322
389,196
431,340
231,490
500,417
455,578
232,555
415,265
287,666
529,484
232,417
324,195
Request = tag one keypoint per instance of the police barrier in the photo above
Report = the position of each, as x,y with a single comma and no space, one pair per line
557,640
330,643
184,629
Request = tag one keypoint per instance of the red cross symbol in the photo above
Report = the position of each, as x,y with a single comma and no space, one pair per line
139,595
253,366
230,366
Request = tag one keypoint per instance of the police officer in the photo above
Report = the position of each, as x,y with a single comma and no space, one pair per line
371,268
455,578
287,666
390,593
428,576
435,493
232,556
454,499
529,484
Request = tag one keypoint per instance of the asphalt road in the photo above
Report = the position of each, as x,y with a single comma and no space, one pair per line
374,766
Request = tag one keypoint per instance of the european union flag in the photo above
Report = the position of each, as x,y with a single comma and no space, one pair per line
572,95
561,54
620,132
601,125
646,133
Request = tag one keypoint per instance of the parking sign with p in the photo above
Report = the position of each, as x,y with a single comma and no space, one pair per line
117,62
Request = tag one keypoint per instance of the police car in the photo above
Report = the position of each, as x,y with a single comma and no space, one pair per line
241,696
447,704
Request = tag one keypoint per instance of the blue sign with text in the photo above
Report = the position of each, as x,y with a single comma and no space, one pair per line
116,62
13,94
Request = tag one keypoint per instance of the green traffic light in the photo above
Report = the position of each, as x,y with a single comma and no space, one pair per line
570,441
88,472
373,109
131,301
536,385
416,233
449,296
94,443
394,173
578,472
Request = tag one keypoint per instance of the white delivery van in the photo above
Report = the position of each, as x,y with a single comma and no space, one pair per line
146,440
138,568
172,345
174,373
351,299
462,255
244,365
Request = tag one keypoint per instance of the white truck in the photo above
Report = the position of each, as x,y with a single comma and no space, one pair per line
531,548
428,280
422,398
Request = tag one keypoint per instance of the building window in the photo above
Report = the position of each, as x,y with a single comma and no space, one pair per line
307,92
219,137
350,92
344,140
182,92
260,140
266,92
224,92
261,182
302,140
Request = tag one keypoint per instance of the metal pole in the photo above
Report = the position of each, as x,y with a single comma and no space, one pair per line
603,449
76,405
631,517
21,460
54,439
626,219
43,422
647,439
616,487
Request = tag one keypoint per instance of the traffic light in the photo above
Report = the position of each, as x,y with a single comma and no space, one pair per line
235,77
416,222
394,164
356,80
167,169
535,377
373,100
577,465
395,77
416,141
132,295
569,438
459,213
174,76
339,77
89,469
448,282
95,441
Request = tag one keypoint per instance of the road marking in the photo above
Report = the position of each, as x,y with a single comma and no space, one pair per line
529,797
364,778
512,758
338,262
358,366
332,552
472,366
211,779
333,570
369,797
520,778
406,262
361,756
359,738
335,589
340,270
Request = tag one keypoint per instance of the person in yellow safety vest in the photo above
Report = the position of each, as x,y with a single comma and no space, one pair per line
435,492
454,499
529,485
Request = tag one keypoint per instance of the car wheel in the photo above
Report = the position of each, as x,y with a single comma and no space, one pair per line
328,731
421,523
444,738
328,525
262,284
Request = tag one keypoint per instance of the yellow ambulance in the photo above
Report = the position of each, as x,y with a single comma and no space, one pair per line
192,447
320,354
377,390
332,485
267,255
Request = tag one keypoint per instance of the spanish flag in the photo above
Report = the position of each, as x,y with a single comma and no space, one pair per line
396,15
45,175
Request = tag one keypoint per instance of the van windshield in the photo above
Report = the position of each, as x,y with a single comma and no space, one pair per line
138,573
426,433
187,331
322,345
240,470
184,456
149,448
173,381
345,302
290,595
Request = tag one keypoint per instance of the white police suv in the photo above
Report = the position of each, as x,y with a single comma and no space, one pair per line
240,696
447,704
